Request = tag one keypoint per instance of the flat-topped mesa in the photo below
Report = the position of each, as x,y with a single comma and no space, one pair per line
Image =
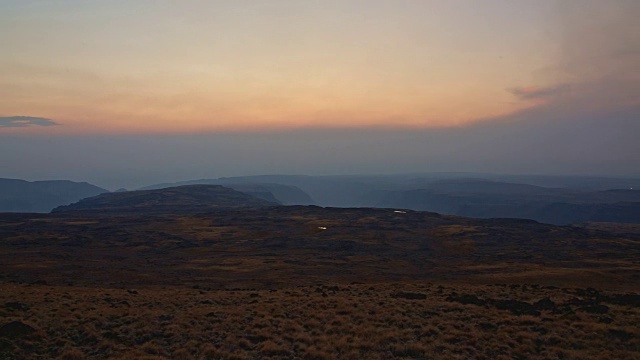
179,199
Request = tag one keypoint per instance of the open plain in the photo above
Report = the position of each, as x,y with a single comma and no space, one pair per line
314,283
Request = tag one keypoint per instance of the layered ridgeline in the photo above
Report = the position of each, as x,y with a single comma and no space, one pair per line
491,199
549,199
556,200
42,196
283,193
176,200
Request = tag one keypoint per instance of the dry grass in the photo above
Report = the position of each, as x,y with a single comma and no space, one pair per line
270,284
316,322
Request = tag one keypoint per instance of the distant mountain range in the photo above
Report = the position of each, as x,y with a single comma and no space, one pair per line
42,196
276,192
485,199
556,200
562,199
175,200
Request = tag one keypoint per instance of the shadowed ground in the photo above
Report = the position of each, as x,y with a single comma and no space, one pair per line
314,282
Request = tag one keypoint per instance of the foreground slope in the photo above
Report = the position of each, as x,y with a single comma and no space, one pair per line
180,199
386,320
314,283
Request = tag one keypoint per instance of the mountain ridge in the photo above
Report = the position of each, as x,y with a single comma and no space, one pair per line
179,199
17,195
284,193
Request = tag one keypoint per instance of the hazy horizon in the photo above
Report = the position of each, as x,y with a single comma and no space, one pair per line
131,93
121,174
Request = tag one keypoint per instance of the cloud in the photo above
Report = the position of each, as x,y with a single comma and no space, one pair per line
538,93
24,121
596,69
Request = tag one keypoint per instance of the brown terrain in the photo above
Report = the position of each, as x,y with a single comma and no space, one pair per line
314,283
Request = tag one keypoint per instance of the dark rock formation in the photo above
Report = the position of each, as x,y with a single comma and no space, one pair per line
409,295
16,329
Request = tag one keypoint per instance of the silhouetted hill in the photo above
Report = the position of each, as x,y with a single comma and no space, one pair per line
339,191
178,200
285,194
590,183
487,187
357,190
572,199
258,191
42,196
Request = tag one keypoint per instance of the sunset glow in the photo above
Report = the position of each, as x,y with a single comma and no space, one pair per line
140,91
163,67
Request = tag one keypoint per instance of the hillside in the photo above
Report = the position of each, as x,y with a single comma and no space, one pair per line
285,194
42,196
178,200
310,243
313,283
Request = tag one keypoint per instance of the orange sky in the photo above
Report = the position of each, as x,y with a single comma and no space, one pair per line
208,66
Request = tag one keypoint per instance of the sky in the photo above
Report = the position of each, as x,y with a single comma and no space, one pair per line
129,93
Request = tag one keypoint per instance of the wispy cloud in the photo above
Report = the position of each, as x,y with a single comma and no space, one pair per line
539,93
24,121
